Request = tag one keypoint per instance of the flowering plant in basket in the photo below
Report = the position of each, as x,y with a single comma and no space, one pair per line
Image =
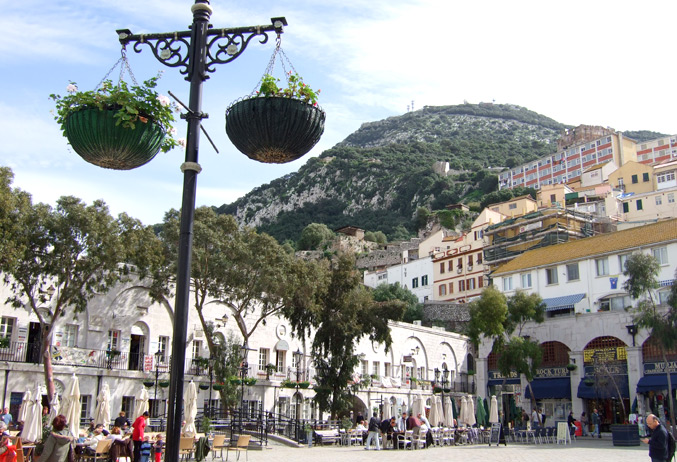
132,105
296,89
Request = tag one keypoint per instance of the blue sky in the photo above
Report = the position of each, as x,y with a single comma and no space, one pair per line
607,63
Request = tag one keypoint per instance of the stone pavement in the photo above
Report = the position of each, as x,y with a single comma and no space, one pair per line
583,450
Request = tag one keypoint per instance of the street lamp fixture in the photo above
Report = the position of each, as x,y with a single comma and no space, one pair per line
158,357
195,52
632,330
298,358
244,369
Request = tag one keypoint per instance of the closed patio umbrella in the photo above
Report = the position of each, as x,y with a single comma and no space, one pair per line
32,430
481,413
26,404
471,412
102,413
417,405
493,412
71,407
434,417
54,407
448,412
464,410
190,409
141,403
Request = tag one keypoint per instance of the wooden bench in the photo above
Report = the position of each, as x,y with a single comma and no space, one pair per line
327,436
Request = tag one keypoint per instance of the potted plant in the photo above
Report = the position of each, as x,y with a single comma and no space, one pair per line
437,389
204,386
206,425
148,383
304,384
250,381
235,381
116,126
218,386
277,125
164,383
286,383
571,367
4,342
270,369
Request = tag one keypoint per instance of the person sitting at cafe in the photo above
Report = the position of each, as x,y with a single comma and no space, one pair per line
92,442
115,434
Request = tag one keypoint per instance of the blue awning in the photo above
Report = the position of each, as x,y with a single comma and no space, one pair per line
562,303
655,382
604,391
558,388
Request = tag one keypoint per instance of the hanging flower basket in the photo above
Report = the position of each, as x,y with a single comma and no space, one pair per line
164,383
117,126
148,383
217,386
204,386
304,385
589,382
94,135
571,367
274,130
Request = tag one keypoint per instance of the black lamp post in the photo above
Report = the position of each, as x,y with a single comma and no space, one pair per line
158,357
194,52
244,369
298,357
211,381
443,383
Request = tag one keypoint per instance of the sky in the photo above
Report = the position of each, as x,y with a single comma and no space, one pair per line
608,63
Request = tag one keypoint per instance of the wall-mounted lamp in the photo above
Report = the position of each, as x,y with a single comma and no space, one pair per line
632,330
221,322
414,351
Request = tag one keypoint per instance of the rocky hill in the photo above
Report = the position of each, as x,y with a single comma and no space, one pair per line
380,175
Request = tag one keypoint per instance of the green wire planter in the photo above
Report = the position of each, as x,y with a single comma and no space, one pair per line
94,136
274,130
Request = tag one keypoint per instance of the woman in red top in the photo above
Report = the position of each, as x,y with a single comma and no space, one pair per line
138,427
7,449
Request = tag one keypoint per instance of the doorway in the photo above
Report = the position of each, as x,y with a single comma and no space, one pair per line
136,352
34,343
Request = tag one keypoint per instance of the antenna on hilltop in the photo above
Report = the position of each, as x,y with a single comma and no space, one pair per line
408,108
412,104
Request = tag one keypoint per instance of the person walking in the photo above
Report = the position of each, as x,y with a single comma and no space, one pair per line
595,424
374,427
584,424
139,426
59,442
535,419
658,443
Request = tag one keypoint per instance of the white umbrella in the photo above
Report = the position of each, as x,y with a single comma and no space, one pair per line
71,407
102,413
190,409
417,405
448,413
26,404
471,412
433,417
393,409
440,412
54,407
141,404
32,430
493,412
464,410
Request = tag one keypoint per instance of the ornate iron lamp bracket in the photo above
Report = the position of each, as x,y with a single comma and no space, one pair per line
222,45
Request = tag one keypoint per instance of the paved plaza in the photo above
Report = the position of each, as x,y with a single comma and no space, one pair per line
580,451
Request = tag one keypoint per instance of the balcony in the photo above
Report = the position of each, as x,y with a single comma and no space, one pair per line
29,353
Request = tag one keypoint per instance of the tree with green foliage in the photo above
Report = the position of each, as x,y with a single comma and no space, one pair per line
341,312
501,320
642,271
247,273
376,236
390,292
65,256
315,236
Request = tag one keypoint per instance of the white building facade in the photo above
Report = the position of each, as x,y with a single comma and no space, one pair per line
588,326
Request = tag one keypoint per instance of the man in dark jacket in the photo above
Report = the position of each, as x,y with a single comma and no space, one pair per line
658,444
